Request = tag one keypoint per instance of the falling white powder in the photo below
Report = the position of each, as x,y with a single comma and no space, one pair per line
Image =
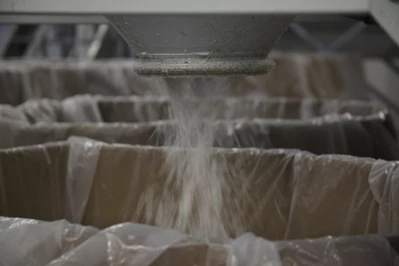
198,177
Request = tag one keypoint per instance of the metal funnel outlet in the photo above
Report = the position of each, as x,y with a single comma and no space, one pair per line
201,45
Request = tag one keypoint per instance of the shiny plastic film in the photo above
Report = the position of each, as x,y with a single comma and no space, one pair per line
369,136
250,250
33,242
385,192
81,166
60,243
308,179
288,194
320,126
95,109
310,75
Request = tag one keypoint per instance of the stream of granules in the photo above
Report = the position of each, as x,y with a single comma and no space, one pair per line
194,174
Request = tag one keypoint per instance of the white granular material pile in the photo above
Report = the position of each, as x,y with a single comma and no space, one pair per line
200,179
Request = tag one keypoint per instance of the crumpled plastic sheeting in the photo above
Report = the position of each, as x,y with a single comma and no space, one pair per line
385,193
359,250
32,242
297,75
313,76
287,195
126,244
29,242
89,108
251,251
78,186
364,137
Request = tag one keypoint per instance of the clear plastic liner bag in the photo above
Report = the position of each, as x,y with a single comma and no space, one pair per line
364,137
386,194
81,154
372,250
251,251
124,244
32,242
313,76
86,108
297,75
59,243
283,194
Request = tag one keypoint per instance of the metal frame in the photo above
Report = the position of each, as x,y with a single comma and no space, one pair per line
99,19
38,39
84,35
181,6
51,19
386,12
7,33
99,36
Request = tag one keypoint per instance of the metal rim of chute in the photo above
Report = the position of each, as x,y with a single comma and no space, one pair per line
201,67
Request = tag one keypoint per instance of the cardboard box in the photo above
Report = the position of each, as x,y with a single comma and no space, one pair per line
363,137
63,244
89,108
297,75
348,127
289,195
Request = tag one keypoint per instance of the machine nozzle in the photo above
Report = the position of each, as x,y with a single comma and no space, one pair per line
201,45
204,67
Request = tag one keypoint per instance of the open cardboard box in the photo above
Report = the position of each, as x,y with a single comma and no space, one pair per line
89,108
61,243
320,126
289,194
297,75
362,136
292,195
